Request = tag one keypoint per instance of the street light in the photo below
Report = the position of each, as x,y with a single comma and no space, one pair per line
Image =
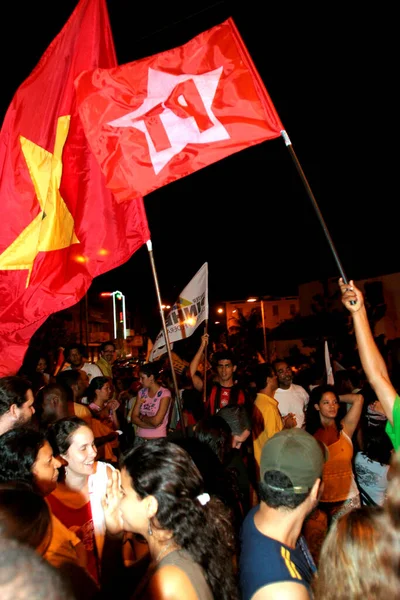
263,324
119,296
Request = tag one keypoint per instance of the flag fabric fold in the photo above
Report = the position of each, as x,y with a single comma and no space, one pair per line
161,118
61,226
187,313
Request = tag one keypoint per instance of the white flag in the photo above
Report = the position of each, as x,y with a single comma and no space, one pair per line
329,372
185,316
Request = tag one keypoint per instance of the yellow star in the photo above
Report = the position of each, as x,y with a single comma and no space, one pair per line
53,227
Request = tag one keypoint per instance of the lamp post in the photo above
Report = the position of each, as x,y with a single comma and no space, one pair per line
263,324
117,295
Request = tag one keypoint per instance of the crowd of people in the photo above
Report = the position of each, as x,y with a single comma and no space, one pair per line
238,487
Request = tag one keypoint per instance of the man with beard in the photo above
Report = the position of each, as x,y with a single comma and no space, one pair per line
16,403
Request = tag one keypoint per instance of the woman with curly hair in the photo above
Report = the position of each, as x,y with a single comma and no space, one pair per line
190,539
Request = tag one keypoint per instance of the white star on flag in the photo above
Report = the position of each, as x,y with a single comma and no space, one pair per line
180,132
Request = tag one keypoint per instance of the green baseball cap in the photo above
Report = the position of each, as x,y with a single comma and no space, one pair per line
296,454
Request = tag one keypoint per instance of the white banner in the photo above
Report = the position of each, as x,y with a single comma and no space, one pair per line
185,316
329,372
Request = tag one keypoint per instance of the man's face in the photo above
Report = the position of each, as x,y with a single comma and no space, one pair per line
285,374
75,357
273,381
26,410
225,370
108,353
54,407
82,385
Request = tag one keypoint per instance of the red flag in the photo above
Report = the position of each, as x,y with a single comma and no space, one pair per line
61,226
161,118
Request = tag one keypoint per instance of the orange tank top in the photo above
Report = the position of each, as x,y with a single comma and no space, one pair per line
338,477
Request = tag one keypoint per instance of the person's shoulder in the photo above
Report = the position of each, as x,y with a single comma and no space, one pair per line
170,580
282,590
165,391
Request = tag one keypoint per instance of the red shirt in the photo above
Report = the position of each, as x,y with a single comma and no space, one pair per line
225,396
80,521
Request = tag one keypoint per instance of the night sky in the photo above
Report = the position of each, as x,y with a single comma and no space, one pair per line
249,215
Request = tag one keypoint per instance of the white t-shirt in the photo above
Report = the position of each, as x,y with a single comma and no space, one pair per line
90,369
293,400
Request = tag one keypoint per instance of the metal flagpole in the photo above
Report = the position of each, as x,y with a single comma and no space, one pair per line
206,346
205,366
289,146
167,342
264,332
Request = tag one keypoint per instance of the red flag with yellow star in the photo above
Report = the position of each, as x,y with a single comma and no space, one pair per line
61,226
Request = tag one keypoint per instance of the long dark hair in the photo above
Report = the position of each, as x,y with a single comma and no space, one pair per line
24,515
61,432
313,417
19,449
97,383
166,471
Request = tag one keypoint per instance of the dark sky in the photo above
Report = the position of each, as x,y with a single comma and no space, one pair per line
249,215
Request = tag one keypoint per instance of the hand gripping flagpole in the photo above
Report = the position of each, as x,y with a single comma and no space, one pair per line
165,331
292,153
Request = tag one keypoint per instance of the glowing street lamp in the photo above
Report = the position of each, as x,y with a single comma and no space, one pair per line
117,295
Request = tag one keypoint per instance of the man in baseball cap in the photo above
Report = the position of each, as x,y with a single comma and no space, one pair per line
275,561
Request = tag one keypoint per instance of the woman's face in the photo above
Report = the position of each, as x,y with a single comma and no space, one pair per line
45,470
82,452
104,394
237,440
41,366
133,509
328,405
146,380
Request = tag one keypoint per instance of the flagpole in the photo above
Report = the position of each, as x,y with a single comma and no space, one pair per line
205,347
167,342
292,153
264,331
205,365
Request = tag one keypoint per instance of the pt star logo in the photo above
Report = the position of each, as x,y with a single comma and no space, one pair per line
53,227
176,112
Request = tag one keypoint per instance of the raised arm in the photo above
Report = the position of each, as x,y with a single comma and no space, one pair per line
371,359
352,418
194,365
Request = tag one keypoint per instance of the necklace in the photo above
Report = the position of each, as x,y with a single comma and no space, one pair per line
163,551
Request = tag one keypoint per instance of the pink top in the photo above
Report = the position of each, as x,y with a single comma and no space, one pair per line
150,409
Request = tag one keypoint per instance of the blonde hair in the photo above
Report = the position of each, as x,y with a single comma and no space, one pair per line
360,558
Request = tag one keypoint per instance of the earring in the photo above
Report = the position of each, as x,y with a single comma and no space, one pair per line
149,530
